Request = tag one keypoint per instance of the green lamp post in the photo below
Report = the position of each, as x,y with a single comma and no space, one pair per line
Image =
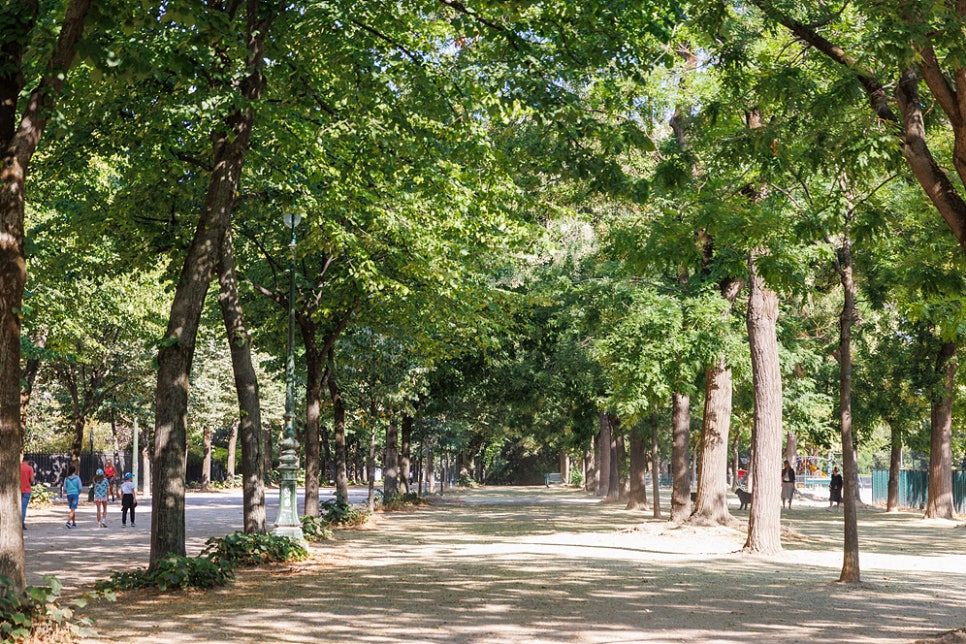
287,524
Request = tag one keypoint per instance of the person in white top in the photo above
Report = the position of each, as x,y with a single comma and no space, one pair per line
128,499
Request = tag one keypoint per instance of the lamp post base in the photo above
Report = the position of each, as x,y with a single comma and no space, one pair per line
287,524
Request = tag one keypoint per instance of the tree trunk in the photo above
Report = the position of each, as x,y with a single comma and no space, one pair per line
895,466
614,467
764,515
619,458
711,505
371,468
939,505
338,432
655,468
233,451
850,469
430,470
17,147
390,469
315,370
405,448
680,457
603,448
637,495
590,471
206,460
249,423
175,357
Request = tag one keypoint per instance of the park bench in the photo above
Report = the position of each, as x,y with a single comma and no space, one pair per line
552,478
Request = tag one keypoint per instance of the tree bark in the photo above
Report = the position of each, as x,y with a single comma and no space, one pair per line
895,465
614,471
338,433
939,505
764,515
315,371
655,468
711,504
177,347
405,447
680,457
590,470
206,461
850,468
249,422
603,448
637,494
233,451
390,469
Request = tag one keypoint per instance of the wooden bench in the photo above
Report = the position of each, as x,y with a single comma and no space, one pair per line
552,478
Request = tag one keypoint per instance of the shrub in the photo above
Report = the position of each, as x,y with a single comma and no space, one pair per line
41,496
315,528
36,614
343,514
401,501
173,572
243,549
576,478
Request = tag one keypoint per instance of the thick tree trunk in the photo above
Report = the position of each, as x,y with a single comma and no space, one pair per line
603,449
390,470
178,344
338,432
405,448
249,422
711,504
637,495
764,516
850,467
939,505
614,471
895,465
620,458
315,373
17,147
680,457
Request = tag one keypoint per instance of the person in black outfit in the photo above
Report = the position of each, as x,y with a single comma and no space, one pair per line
835,490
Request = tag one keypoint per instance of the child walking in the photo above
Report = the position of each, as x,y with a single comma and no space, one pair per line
128,499
101,485
72,488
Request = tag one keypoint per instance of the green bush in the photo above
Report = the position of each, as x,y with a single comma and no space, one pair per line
41,496
401,501
343,514
315,529
36,613
576,478
172,573
243,549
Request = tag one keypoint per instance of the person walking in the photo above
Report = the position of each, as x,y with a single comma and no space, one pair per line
111,475
72,488
129,499
788,484
835,490
27,481
101,486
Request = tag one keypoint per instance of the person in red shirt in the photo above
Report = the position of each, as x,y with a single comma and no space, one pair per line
110,474
26,483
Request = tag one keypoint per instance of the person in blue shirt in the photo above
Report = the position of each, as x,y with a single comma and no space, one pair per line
72,488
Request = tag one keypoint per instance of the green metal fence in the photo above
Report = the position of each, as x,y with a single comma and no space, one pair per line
913,488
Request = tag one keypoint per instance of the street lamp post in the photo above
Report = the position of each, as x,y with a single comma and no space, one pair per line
287,524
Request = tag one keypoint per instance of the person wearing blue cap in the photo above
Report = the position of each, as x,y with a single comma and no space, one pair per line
129,500
101,487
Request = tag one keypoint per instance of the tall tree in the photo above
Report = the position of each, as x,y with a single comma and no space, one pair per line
23,118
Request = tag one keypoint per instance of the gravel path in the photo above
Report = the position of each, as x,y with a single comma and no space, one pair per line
545,565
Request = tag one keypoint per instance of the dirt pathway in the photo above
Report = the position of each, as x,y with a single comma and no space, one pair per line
550,565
